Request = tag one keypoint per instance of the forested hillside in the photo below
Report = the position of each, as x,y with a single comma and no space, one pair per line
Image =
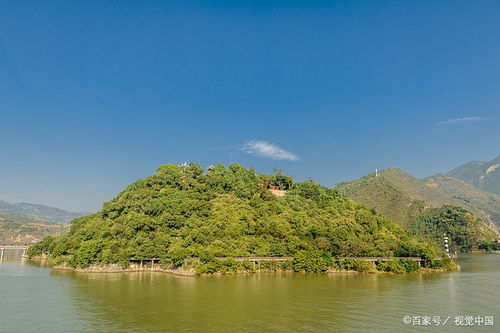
419,207
484,204
394,194
465,230
183,211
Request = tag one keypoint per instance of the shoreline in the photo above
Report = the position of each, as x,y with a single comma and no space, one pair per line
108,269
118,269
190,269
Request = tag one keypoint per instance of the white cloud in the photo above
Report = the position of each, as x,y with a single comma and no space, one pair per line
268,150
458,121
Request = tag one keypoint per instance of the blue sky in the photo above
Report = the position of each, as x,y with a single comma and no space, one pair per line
96,94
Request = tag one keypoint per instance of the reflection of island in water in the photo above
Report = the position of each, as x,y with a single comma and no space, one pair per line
148,301
9,254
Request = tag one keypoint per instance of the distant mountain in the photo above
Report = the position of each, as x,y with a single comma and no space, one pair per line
484,204
428,207
22,230
38,212
394,194
483,175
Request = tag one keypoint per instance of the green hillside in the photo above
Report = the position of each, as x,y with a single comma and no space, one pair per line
465,229
484,204
482,174
394,194
183,211
409,201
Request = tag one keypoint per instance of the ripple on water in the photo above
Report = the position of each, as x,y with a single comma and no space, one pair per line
152,302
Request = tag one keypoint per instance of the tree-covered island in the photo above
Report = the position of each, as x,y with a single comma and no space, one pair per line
188,218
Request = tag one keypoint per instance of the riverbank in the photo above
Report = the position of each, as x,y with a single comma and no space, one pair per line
118,269
191,272
249,265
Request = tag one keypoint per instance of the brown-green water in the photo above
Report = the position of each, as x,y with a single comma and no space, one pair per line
38,299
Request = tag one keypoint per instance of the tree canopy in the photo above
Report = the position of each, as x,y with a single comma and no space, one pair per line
185,211
465,230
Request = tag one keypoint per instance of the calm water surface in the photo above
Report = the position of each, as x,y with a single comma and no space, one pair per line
38,299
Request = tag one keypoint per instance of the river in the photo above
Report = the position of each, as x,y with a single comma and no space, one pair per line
38,299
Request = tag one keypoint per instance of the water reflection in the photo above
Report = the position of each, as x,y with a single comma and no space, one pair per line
12,255
156,302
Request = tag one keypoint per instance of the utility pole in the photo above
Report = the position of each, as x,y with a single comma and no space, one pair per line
230,158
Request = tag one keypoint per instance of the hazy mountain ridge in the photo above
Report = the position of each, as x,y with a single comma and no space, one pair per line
393,193
21,230
38,212
421,205
484,204
484,175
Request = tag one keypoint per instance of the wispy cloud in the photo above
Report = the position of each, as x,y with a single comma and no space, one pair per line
458,121
268,150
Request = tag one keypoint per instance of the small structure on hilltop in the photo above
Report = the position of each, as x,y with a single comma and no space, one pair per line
274,189
277,191
278,184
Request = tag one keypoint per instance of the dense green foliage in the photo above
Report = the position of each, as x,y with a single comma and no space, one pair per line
490,246
41,247
445,264
426,208
312,261
183,212
464,229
